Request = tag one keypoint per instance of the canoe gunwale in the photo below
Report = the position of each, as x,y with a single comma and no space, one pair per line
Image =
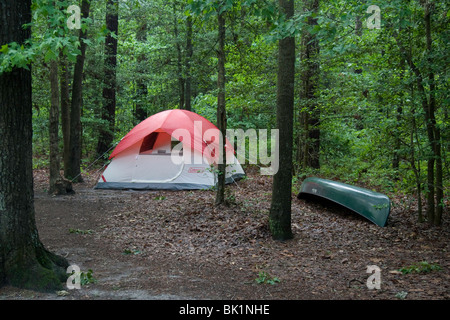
371,205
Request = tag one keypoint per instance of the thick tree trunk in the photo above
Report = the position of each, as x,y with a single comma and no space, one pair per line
109,90
73,171
24,262
221,110
280,209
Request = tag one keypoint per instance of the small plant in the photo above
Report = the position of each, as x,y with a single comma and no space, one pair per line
160,198
87,278
421,267
230,197
131,251
264,277
78,231
83,278
401,295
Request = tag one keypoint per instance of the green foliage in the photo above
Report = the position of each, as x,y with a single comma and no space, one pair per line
132,251
265,278
421,267
370,106
79,231
87,278
401,294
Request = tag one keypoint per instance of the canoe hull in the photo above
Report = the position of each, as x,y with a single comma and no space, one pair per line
372,205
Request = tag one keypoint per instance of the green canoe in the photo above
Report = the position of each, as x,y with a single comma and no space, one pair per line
372,205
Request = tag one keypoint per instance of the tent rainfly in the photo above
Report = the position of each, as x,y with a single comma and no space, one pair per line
174,149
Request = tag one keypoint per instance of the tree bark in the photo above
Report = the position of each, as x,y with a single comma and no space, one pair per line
280,209
106,136
65,109
74,172
189,53
435,216
24,262
434,178
55,174
181,81
221,110
140,112
309,146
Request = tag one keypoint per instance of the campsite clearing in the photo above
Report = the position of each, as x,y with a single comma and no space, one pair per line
177,245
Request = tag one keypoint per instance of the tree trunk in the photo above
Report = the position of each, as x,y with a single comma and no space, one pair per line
397,140
65,109
106,136
221,110
140,112
309,118
434,179
434,131
280,209
24,262
74,173
187,87
54,127
179,58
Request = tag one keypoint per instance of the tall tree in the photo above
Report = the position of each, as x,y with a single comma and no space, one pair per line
425,81
181,80
73,171
280,209
54,127
140,112
57,184
221,107
309,144
106,136
24,262
189,53
65,109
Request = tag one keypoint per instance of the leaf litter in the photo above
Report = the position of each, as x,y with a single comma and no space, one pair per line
219,252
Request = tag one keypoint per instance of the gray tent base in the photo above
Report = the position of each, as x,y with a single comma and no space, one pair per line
161,186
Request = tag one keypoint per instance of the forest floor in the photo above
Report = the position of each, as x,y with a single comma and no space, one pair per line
168,245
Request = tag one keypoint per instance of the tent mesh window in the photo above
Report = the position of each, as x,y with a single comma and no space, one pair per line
175,143
148,142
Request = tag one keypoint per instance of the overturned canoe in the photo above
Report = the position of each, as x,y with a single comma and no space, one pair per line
372,205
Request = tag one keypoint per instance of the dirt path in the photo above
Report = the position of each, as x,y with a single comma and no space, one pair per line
163,245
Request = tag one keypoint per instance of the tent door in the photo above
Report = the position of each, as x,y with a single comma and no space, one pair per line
156,168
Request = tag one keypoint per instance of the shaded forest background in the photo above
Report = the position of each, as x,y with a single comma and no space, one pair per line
371,104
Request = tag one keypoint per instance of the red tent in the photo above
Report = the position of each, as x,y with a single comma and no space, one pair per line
169,121
151,156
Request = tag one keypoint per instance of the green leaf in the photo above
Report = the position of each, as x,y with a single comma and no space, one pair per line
4,49
49,56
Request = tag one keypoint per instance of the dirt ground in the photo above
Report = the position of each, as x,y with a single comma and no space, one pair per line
175,245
